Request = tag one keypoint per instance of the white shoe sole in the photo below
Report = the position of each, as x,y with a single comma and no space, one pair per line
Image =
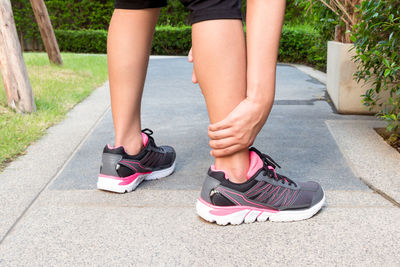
247,214
113,185
161,173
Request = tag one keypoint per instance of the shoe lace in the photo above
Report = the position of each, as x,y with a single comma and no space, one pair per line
269,168
153,146
147,131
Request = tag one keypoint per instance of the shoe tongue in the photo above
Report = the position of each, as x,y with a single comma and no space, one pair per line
256,164
145,139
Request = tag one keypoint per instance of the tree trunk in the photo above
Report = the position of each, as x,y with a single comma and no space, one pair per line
338,34
46,31
12,65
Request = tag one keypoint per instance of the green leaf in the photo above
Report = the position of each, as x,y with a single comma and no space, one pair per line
387,72
386,62
390,127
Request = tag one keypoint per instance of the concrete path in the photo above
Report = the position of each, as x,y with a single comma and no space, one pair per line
51,213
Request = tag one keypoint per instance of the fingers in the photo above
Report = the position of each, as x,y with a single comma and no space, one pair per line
218,126
230,141
227,151
194,78
190,59
221,134
222,143
190,56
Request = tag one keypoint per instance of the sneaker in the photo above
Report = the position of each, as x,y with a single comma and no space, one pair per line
120,172
265,195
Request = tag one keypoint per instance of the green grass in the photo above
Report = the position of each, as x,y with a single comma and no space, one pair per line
56,90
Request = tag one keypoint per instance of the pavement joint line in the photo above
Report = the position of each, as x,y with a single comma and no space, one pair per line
86,136
370,186
190,190
192,206
381,193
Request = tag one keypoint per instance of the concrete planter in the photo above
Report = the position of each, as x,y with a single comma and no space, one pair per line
344,91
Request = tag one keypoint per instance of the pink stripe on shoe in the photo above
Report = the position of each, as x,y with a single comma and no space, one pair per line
227,210
145,139
133,163
223,190
124,180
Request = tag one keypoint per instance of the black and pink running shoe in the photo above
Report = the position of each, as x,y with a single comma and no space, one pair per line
121,173
266,195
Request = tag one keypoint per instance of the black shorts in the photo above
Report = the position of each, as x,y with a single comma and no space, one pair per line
200,10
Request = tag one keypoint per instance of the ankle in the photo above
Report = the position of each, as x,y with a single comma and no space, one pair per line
234,174
237,176
235,166
132,145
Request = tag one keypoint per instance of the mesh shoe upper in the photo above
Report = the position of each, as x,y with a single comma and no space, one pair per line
265,188
151,158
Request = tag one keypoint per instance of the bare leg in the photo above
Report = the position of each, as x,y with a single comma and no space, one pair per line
264,27
128,49
220,66
240,128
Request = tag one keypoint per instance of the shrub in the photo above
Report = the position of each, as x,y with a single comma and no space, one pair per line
302,44
295,13
84,14
82,41
346,13
175,14
377,43
172,40
65,15
323,19
167,40
298,43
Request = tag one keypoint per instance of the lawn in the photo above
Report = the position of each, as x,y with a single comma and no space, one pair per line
56,90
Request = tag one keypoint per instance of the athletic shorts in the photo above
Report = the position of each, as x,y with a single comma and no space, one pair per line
200,10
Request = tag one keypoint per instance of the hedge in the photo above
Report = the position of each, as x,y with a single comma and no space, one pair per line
167,40
85,14
298,44
172,40
82,41
302,44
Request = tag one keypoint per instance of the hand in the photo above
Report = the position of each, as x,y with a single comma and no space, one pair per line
239,130
191,59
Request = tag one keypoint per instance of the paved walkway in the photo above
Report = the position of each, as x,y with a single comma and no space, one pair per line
51,213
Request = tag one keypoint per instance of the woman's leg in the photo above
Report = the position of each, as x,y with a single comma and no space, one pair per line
264,27
129,39
128,49
220,65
